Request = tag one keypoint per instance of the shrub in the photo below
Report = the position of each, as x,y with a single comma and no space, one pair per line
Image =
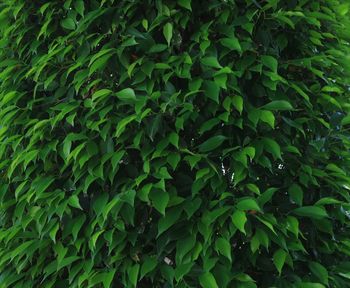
174,143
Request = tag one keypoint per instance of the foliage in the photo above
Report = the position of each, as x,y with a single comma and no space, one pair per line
174,143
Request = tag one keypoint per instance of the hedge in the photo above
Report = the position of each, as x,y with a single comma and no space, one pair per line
174,143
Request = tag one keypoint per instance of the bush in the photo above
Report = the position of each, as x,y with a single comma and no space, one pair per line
174,143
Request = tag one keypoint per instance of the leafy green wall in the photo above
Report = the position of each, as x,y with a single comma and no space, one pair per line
174,143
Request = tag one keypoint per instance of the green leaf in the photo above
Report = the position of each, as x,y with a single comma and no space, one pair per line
281,105
182,269
108,278
267,117
99,203
346,120
248,204
99,63
296,194
212,143
293,225
173,159
309,285
174,139
128,197
184,246
100,94
211,90
123,123
327,201
266,196
207,280
313,212
239,219
133,272
53,232
168,220
252,187
319,271
74,202
223,247
185,3
231,43
40,185
160,200
211,62
270,62
168,32
272,147
148,265
78,223
68,23
208,125
79,7
237,102
116,158
126,94
279,258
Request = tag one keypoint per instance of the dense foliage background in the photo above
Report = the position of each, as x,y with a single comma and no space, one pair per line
174,143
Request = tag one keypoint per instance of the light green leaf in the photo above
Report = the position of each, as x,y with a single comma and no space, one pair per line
168,32
100,94
94,238
211,62
223,247
252,187
53,232
231,43
108,278
248,204
74,202
126,94
270,62
133,272
239,219
272,147
267,117
237,102
123,123
279,258
207,280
